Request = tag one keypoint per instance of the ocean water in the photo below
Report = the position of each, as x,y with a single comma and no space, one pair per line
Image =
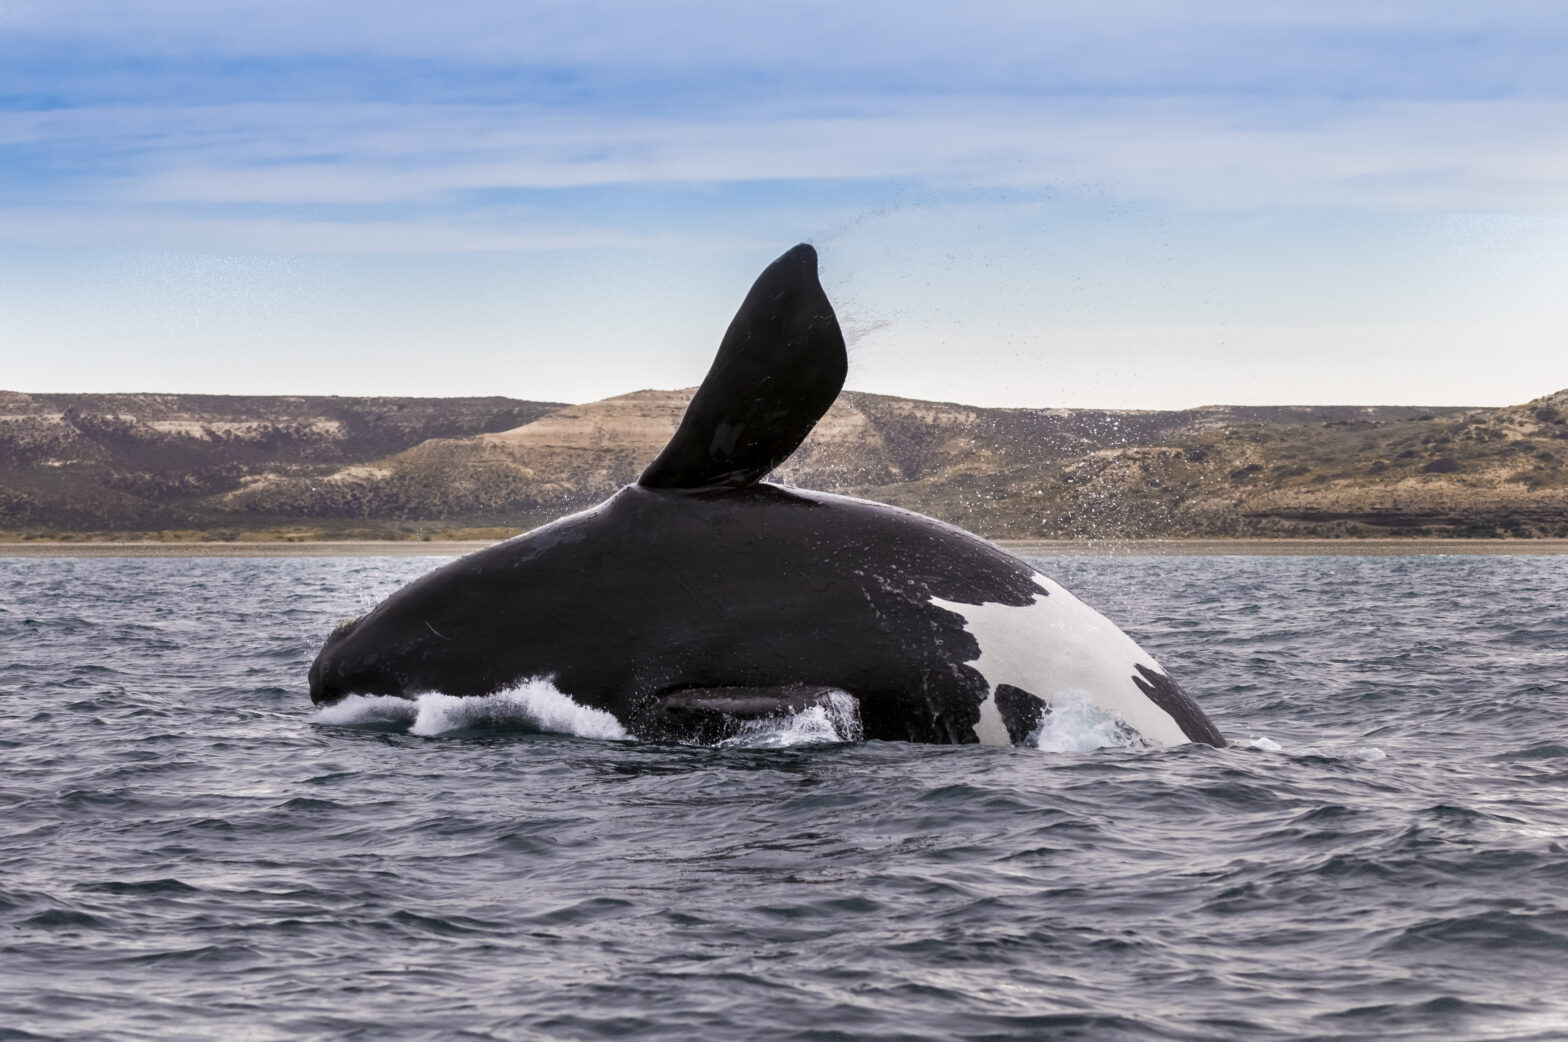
189,850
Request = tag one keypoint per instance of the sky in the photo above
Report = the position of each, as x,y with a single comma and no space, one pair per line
1122,204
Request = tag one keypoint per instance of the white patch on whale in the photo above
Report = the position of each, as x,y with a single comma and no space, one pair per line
531,706
1063,652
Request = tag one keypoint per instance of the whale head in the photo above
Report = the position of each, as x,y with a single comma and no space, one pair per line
339,670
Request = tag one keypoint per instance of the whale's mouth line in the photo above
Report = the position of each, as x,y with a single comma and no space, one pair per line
834,719
716,715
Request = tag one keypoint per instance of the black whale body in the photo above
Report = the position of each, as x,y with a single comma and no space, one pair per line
656,592
702,595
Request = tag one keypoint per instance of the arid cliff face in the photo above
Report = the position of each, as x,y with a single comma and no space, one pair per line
150,462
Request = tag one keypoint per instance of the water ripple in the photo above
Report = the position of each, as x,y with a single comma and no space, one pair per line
188,850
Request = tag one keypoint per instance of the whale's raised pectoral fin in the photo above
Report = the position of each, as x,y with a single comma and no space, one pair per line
710,714
1168,695
779,368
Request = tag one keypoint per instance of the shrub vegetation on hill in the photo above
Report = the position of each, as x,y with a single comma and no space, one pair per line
402,468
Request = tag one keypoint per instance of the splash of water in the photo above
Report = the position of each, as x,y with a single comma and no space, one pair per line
533,706
836,718
1351,752
1074,724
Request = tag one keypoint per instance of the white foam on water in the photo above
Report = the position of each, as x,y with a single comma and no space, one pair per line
835,719
1369,753
532,706
376,712
1073,723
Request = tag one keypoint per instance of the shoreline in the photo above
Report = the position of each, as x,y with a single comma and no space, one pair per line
1022,547
1373,547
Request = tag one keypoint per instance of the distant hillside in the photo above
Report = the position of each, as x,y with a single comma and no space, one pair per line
400,466
149,461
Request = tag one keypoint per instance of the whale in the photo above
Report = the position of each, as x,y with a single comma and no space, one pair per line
703,597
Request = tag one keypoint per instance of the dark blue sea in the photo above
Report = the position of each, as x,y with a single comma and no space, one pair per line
189,850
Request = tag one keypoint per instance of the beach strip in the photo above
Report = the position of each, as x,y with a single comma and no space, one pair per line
1021,547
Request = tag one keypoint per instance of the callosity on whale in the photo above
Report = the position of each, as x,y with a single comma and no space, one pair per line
703,595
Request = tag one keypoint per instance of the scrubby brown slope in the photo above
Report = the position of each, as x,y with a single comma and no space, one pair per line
153,461
1017,472
83,462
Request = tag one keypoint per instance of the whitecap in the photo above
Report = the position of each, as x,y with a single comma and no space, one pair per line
531,707
1370,753
369,712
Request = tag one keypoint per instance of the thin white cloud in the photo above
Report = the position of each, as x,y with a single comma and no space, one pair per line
998,39
132,230
1438,105
1437,155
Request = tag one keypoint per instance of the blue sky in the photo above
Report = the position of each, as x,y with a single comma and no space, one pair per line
1125,204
